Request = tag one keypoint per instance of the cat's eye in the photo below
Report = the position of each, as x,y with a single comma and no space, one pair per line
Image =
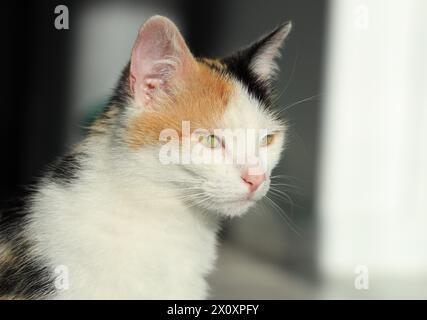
267,140
210,141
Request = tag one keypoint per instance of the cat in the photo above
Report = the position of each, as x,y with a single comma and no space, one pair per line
113,219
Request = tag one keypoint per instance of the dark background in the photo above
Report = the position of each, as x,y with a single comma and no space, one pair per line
36,103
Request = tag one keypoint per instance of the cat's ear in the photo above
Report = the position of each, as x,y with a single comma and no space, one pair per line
260,57
160,56
264,52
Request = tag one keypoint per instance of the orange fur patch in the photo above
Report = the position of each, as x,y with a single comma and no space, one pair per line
201,99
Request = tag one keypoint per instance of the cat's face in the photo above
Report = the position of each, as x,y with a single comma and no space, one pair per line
205,122
233,164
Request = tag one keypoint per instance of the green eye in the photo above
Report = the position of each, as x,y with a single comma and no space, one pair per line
210,141
267,140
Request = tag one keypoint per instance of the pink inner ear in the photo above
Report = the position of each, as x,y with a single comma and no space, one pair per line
158,56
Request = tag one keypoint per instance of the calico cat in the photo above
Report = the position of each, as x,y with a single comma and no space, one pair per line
118,218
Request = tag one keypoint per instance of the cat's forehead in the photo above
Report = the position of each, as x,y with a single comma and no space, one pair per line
245,111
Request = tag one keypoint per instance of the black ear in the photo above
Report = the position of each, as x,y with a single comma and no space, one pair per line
256,65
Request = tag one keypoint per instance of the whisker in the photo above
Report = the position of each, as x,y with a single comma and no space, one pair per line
282,193
290,78
287,188
287,107
285,217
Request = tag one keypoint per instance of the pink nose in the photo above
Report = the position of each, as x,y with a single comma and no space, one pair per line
253,181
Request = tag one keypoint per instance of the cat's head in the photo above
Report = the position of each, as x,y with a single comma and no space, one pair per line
204,126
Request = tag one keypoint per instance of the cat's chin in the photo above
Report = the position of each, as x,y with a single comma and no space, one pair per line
233,208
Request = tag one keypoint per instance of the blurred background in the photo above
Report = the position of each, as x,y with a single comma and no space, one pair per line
351,218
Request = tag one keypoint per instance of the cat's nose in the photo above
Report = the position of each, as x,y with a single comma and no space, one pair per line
253,181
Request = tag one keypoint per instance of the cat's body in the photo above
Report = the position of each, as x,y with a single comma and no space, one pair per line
111,222
102,251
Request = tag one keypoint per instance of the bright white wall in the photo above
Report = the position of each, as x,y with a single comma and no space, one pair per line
373,181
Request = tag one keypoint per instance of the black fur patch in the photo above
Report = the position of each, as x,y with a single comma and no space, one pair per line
239,66
122,92
26,276
65,171
23,274
211,65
